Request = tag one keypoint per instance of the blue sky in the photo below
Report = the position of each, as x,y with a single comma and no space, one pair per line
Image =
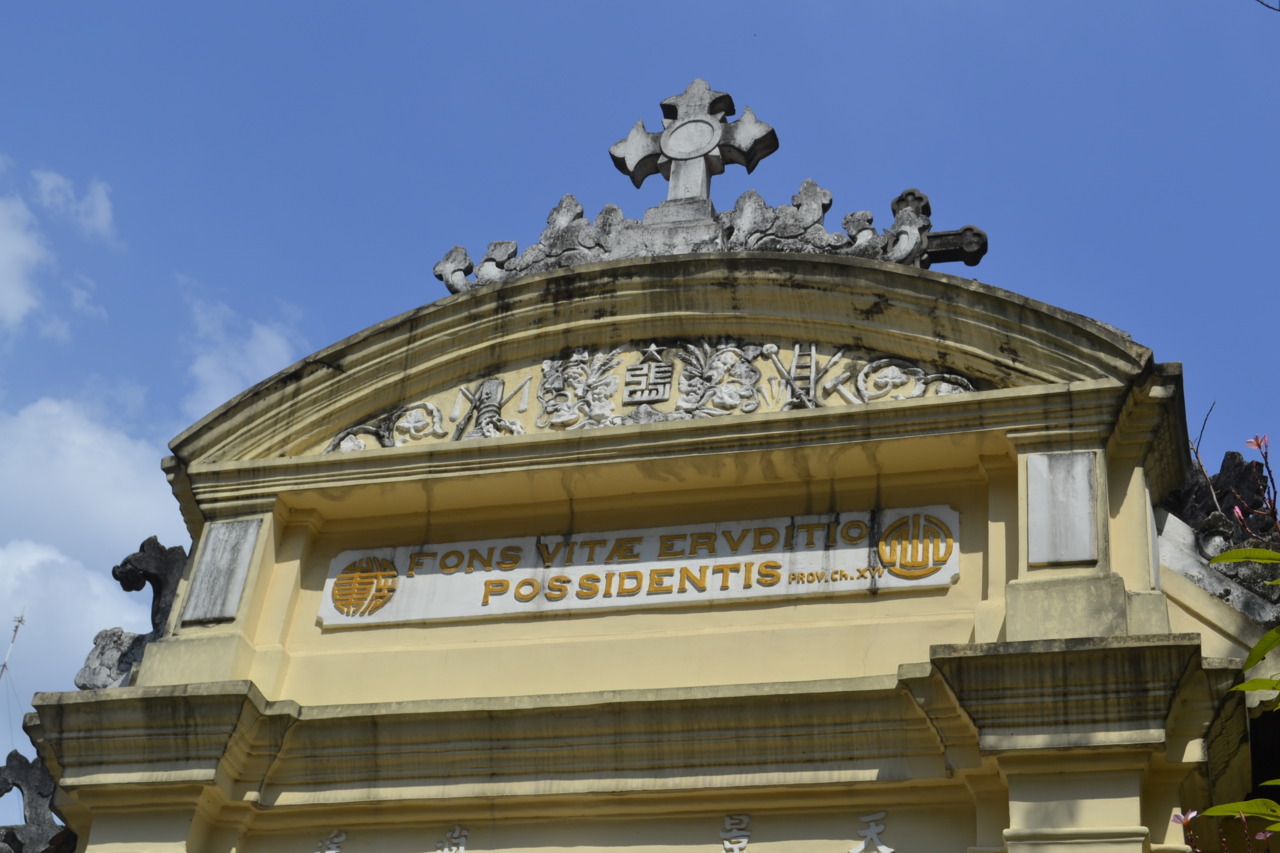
194,196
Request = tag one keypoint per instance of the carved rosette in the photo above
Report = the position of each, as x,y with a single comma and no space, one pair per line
677,380
894,379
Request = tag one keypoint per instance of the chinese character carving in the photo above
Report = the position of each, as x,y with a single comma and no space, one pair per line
871,842
332,843
735,834
648,380
455,840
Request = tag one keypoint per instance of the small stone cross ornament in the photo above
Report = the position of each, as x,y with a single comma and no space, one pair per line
695,143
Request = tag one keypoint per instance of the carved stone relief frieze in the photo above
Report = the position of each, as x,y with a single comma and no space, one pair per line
658,382
578,392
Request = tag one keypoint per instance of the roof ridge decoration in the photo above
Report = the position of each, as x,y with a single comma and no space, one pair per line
696,141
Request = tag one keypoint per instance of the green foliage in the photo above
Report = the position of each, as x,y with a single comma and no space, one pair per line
1248,555
1265,809
1259,684
1260,649
1271,639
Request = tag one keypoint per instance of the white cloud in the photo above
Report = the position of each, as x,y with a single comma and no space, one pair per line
82,292
56,329
53,191
79,495
231,354
64,604
22,254
73,479
91,212
95,210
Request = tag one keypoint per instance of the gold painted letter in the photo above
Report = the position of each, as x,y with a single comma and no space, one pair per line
493,587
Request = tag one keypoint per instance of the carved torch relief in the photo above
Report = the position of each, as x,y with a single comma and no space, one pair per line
681,380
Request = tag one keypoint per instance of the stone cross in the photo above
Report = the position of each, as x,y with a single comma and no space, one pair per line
695,144
33,780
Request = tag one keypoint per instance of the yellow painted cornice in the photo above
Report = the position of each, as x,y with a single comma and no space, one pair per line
912,736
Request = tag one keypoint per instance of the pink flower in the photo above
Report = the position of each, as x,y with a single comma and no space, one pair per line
1263,836
1258,442
1239,515
1184,819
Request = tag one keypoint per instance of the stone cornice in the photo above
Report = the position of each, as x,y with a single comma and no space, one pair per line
1081,413
1085,693
920,733
1152,431
168,744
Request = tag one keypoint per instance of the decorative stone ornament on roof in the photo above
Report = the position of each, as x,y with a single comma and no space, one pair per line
694,144
696,141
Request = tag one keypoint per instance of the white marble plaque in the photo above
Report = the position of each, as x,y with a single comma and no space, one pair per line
696,564
221,571
1062,526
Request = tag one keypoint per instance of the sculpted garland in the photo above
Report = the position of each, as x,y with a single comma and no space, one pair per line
593,389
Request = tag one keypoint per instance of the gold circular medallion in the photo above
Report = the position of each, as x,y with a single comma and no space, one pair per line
916,546
365,586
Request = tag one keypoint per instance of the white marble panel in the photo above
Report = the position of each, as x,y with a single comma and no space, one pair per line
1061,516
220,574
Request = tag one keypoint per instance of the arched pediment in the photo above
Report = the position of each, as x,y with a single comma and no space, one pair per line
667,339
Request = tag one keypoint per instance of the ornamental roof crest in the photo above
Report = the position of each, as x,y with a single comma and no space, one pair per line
696,142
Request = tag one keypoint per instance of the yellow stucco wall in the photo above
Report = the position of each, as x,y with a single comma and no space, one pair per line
643,726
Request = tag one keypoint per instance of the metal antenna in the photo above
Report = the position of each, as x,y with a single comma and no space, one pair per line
18,622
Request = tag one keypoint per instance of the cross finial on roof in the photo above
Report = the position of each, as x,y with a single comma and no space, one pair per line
695,144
